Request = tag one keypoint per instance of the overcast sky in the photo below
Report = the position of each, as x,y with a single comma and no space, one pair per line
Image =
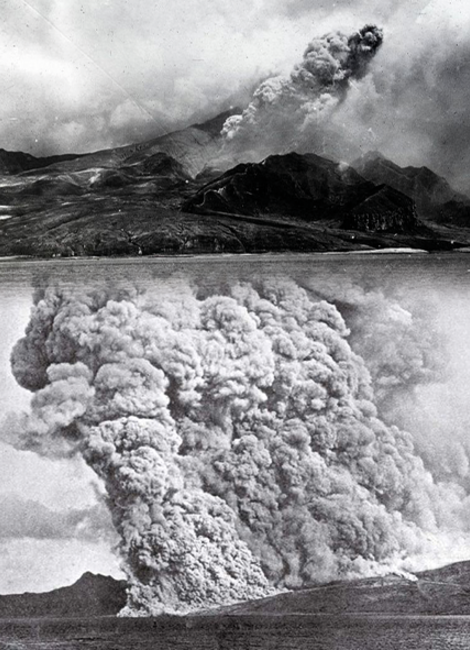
82,75
53,525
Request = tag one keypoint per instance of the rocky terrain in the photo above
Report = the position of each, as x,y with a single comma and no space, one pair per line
436,201
312,188
165,196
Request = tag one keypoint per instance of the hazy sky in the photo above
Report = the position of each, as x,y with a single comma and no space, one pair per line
53,527
85,75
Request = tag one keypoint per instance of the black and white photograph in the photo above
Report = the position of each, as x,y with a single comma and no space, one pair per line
235,325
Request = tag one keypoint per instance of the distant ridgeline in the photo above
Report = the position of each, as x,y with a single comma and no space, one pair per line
15,162
91,595
442,591
180,193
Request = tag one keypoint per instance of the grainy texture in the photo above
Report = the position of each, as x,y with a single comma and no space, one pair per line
163,197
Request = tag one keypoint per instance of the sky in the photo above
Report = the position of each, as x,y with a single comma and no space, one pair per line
80,76
53,524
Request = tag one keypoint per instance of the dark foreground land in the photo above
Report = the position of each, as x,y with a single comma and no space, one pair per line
240,633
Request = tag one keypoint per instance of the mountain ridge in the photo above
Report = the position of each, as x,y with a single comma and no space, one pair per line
91,595
310,187
442,591
192,147
164,196
435,199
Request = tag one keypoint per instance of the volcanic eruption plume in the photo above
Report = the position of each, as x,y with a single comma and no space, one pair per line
235,432
286,109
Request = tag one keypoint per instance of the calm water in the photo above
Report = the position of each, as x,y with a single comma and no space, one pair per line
283,633
428,270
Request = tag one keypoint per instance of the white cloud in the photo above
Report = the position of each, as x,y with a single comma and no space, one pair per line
41,565
59,485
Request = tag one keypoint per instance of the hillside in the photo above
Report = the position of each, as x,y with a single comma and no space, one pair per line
309,187
164,197
193,147
436,201
15,162
91,595
443,591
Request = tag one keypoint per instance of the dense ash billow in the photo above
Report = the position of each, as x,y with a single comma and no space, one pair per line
287,110
395,332
235,432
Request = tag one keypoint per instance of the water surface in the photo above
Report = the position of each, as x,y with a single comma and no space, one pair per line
256,633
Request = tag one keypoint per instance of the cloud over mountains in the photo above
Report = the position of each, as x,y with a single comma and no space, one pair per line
87,76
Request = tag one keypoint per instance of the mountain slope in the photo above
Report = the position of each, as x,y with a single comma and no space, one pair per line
163,197
309,187
443,591
193,148
91,595
439,591
435,199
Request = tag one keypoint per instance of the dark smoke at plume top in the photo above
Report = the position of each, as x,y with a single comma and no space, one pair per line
285,111
236,434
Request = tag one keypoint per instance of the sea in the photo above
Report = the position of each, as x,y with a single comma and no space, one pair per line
428,270
309,632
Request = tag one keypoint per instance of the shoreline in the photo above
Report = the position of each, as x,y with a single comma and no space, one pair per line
224,256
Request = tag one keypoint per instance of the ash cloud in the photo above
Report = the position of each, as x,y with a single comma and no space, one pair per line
413,106
154,69
236,433
285,110
396,332
414,344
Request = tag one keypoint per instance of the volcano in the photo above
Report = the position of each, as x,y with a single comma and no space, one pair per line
168,196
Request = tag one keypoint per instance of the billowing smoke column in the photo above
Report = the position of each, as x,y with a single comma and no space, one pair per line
394,332
235,432
285,109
